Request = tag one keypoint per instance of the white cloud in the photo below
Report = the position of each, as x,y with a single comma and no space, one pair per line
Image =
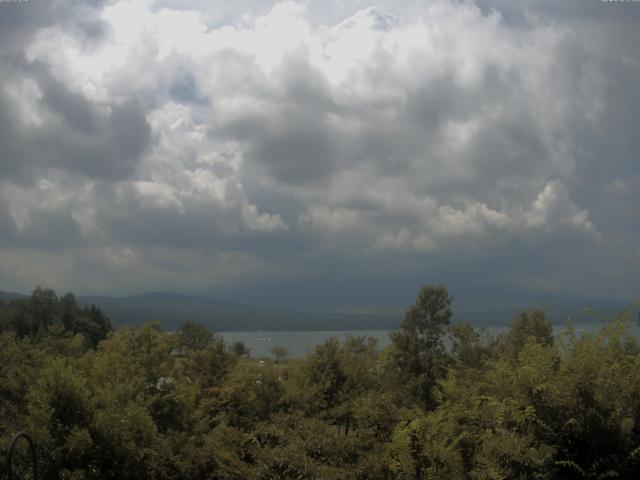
473,220
553,207
411,128
326,220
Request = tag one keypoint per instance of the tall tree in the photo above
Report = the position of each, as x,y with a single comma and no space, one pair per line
526,325
419,346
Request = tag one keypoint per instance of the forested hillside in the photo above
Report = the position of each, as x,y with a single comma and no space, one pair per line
145,404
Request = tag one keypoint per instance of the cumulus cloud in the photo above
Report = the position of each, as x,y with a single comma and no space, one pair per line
553,206
274,132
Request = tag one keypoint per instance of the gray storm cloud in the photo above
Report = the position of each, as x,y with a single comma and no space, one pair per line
270,146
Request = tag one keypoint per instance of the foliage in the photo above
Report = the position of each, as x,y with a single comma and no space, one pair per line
43,314
280,353
147,404
419,348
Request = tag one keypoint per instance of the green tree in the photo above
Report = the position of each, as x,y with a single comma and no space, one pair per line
44,309
69,311
60,415
240,349
466,345
193,336
320,378
251,393
526,325
280,353
43,314
419,346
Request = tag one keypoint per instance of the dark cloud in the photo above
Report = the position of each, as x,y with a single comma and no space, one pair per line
45,231
566,11
130,135
111,151
75,110
294,143
12,162
72,133
41,228
20,20
337,154
300,151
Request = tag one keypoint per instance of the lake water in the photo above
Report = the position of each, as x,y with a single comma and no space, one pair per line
299,342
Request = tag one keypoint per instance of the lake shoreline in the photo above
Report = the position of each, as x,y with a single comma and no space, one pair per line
298,342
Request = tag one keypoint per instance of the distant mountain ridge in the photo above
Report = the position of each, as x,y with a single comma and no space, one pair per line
10,296
172,309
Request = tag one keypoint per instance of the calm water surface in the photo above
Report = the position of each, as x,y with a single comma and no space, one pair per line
299,342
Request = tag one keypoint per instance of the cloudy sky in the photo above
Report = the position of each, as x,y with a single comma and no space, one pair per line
321,153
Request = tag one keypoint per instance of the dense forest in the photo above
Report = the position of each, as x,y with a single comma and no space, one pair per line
444,400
